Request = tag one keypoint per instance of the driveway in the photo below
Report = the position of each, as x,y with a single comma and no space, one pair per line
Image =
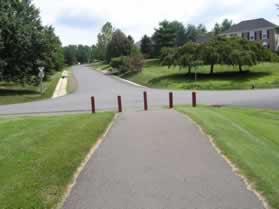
107,88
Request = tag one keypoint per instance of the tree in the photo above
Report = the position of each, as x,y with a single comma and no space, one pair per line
104,37
146,46
210,55
119,45
243,57
225,25
78,54
26,43
83,54
187,55
135,60
193,32
130,38
164,36
70,54
180,33
168,56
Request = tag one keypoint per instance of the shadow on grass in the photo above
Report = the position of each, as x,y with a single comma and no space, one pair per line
16,92
218,76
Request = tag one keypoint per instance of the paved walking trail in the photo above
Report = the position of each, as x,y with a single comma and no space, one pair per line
158,160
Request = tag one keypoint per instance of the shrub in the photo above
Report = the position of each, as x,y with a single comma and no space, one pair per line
136,63
120,63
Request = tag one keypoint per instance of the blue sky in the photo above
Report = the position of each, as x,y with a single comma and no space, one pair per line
79,22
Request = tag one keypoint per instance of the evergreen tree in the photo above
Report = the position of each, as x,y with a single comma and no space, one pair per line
164,36
146,46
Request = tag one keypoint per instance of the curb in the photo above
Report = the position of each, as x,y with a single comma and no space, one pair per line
129,82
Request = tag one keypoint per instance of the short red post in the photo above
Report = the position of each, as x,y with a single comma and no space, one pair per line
194,99
145,101
170,100
93,107
119,103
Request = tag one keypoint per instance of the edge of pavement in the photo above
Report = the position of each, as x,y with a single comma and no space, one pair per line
249,186
91,153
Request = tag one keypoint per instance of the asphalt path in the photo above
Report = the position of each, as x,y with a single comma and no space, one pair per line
168,165
106,89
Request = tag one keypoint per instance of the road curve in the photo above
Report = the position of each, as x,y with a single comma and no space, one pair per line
107,88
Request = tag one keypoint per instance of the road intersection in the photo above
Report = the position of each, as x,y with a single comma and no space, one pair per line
106,89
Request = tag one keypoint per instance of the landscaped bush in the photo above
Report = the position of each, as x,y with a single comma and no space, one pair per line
120,63
136,63
133,63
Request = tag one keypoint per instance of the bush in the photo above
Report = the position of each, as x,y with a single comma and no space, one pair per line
136,63
133,63
120,63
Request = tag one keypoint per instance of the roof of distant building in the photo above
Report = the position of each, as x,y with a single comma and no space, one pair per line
248,25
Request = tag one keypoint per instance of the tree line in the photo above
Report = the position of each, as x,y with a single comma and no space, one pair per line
175,34
118,49
236,52
25,44
74,54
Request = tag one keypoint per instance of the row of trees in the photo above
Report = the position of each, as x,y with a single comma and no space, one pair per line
117,48
229,51
25,44
82,54
175,34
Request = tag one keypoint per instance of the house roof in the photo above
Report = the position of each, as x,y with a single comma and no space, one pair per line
248,25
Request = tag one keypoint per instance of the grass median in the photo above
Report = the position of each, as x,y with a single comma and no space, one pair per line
39,156
263,75
11,93
249,138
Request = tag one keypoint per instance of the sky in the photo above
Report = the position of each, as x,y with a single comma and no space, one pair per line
80,21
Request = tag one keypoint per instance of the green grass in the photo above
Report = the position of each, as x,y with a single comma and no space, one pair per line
11,93
249,138
39,156
101,66
264,75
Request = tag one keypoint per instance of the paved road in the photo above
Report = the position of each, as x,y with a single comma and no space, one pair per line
107,88
171,165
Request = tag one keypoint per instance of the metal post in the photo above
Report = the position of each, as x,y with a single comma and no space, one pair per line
93,107
145,101
119,104
41,86
194,99
170,100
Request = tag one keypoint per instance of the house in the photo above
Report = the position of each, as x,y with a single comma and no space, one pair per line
259,30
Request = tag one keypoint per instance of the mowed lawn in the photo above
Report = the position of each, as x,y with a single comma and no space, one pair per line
264,75
249,138
39,156
101,66
11,93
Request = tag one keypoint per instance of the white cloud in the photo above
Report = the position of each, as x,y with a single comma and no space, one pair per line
139,17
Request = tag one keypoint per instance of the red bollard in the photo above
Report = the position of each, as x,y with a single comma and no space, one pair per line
194,99
170,100
93,107
145,101
119,104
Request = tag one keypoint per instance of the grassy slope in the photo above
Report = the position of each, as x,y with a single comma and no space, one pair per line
12,94
101,66
265,75
249,138
38,156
